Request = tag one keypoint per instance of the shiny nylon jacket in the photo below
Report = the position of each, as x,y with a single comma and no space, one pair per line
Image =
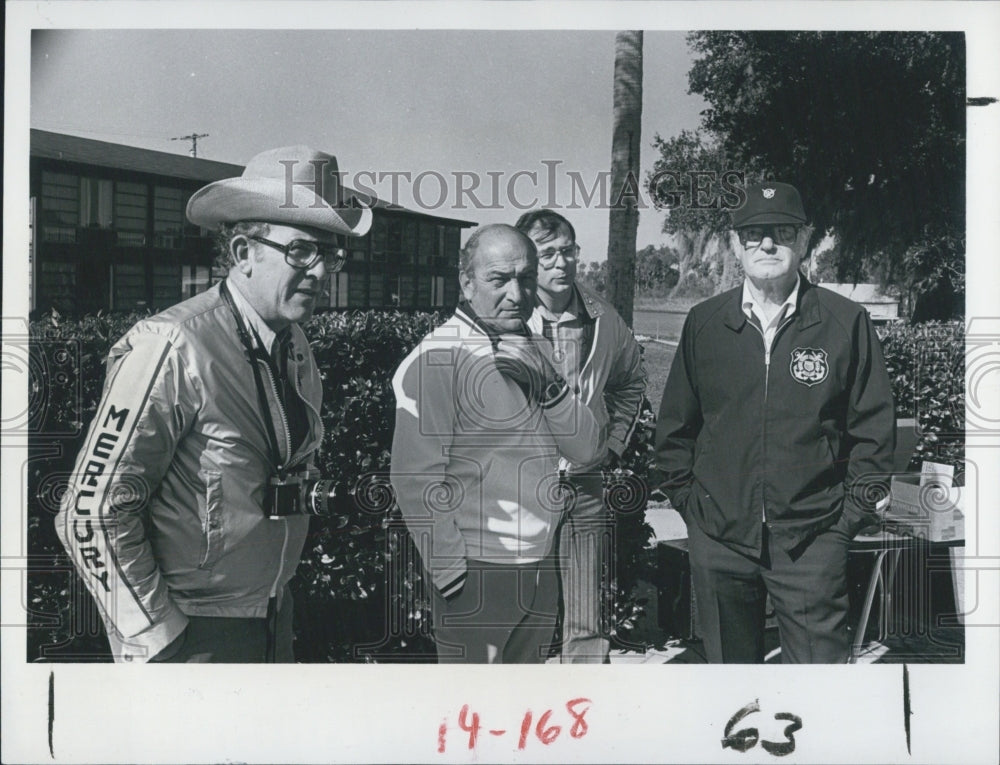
164,513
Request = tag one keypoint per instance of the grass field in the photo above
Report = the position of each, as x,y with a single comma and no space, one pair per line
657,358
658,324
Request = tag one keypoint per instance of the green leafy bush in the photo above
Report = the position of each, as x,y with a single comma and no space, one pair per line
926,364
360,593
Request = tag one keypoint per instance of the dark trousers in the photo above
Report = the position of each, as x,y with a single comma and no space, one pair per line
230,640
808,589
505,614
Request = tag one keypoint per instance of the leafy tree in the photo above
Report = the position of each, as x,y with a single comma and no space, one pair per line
696,182
623,221
595,276
656,268
868,125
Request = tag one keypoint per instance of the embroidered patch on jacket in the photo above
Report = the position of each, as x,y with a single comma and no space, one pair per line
809,366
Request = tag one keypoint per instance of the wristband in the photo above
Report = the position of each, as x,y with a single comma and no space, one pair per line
554,392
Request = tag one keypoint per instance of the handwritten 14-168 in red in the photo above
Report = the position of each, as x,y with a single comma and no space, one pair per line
545,730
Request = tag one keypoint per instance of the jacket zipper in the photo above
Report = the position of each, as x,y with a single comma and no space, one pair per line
281,411
767,378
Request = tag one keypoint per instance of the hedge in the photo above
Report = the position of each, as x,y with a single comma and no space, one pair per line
926,364
360,592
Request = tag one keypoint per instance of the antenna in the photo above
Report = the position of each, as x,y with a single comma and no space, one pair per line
193,138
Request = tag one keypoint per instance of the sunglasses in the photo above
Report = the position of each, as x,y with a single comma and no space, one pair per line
782,234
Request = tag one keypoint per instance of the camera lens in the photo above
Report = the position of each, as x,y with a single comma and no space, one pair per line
321,500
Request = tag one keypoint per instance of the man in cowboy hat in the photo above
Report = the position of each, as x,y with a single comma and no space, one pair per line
180,514
774,438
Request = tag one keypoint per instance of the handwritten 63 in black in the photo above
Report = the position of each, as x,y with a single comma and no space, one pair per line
746,738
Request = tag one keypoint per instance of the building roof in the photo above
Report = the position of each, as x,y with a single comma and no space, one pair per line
869,294
87,151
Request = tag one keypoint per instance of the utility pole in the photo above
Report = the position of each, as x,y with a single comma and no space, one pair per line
193,138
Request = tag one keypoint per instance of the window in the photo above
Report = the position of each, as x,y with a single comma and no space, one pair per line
357,291
60,207
166,285
95,203
339,289
452,245
130,214
437,292
405,289
57,285
376,291
194,279
428,241
378,233
424,290
411,233
168,217
450,291
128,286
394,234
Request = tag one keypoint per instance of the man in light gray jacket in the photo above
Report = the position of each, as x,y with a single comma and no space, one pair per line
181,513
482,420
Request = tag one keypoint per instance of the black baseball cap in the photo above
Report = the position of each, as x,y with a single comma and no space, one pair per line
770,203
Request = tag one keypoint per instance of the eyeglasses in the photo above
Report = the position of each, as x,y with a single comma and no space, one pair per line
304,254
782,234
547,257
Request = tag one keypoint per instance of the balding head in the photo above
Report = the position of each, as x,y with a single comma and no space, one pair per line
498,273
498,234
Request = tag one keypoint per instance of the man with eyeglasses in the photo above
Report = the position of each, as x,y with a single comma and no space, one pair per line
206,407
599,357
774,440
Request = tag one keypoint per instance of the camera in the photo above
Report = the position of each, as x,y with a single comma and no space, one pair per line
299,495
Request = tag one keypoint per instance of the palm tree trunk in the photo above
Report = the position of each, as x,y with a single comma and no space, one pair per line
623,220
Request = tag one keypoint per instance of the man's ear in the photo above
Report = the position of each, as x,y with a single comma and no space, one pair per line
465,282
239,251
805,235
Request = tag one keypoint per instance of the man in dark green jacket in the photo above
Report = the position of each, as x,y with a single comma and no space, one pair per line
774,438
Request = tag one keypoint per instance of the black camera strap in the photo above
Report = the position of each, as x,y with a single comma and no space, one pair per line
272,437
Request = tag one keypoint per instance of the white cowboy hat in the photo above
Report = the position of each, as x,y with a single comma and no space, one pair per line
292,185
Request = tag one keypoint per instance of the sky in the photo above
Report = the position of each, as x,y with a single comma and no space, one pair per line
492,106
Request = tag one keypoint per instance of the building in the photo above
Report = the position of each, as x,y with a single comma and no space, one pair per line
881,306
108,232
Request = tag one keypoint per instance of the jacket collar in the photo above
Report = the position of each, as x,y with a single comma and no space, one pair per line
258,328
807,310
467,319
590,303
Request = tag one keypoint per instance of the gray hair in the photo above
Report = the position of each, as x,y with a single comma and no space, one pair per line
228,231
